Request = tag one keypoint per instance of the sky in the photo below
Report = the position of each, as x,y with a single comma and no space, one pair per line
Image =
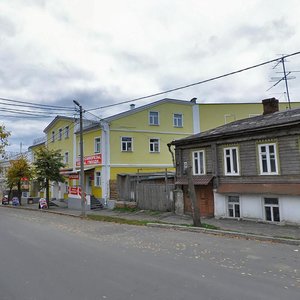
101,52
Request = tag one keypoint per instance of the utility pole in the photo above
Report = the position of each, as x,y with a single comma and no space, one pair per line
286,84
83,214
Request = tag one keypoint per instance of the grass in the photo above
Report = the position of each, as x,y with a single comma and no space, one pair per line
117,220
138,222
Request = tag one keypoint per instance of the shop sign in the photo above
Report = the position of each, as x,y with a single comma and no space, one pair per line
91,160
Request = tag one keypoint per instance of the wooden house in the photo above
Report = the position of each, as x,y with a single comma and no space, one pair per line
247,169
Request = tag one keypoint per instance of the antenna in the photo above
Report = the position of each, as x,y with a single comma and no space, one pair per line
284,78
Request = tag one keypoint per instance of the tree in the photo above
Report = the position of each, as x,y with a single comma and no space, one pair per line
193,198
19,169
47,165
3,138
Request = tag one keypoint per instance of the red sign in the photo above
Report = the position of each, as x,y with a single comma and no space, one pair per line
91,160
73,190
74,176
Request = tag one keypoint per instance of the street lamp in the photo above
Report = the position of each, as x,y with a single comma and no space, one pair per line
83,214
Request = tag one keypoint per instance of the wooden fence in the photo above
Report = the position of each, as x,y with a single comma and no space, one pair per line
155,196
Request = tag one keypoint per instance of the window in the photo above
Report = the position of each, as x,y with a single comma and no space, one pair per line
67,132
66,157
154,145
234,207
97,145
97,178
271,209
153,118
126,143
177,120
231,165
268,159
53,136
59,134
198,162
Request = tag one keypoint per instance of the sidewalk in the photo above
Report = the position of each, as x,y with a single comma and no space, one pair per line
248,229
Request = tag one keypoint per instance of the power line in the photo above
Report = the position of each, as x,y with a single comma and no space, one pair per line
38,105
196,83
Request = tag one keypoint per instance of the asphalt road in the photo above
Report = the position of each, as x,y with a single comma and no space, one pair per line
47,256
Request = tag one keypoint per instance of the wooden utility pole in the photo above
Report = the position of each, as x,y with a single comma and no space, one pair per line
193,198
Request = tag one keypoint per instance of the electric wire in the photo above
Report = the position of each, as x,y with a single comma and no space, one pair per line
196,83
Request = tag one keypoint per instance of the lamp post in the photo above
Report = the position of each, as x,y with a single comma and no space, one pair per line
81,161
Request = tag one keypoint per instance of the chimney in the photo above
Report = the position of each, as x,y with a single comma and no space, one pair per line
270,105
132,106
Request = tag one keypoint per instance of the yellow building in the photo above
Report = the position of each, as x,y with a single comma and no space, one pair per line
132,141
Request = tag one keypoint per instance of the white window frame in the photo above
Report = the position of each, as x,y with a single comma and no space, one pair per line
271,206
153,120
60,133
154,145
126,143
53,136
97,145
268,157
232,163
232,204
67,132
178,118
196,159
97,181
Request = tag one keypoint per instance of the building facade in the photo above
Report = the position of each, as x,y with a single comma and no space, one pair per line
131,142
248,169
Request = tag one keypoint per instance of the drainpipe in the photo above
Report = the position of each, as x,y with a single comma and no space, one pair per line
105,162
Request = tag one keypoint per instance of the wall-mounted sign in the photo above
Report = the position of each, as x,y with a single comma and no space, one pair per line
91,160
74,176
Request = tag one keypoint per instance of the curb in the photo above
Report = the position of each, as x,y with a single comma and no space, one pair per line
247,236
44,211
217,232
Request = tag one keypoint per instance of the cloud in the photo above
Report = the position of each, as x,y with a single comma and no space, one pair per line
104,52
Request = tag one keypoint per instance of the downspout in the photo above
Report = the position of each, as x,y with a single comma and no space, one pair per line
105,162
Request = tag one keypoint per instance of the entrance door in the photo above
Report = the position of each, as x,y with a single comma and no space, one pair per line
88,184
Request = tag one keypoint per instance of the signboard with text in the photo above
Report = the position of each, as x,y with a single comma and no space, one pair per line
90,160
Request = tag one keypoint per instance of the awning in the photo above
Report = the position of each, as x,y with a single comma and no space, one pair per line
197,180
75,171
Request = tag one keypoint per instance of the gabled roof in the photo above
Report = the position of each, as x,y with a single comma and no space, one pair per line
133,111
145,107
56,119
279,119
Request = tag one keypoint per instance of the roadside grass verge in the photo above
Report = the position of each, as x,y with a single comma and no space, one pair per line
118,220
138,222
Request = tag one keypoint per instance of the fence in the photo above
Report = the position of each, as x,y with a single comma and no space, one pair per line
155,196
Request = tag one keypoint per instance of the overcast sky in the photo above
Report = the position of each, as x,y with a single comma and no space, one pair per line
102,52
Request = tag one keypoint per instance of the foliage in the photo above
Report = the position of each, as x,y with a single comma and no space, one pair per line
3,138
47,165
19,168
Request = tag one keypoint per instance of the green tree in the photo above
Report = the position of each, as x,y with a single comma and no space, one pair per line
47,165
18,169
3,138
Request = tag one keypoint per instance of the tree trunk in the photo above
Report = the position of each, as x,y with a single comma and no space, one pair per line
47,192
194,204
19,192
